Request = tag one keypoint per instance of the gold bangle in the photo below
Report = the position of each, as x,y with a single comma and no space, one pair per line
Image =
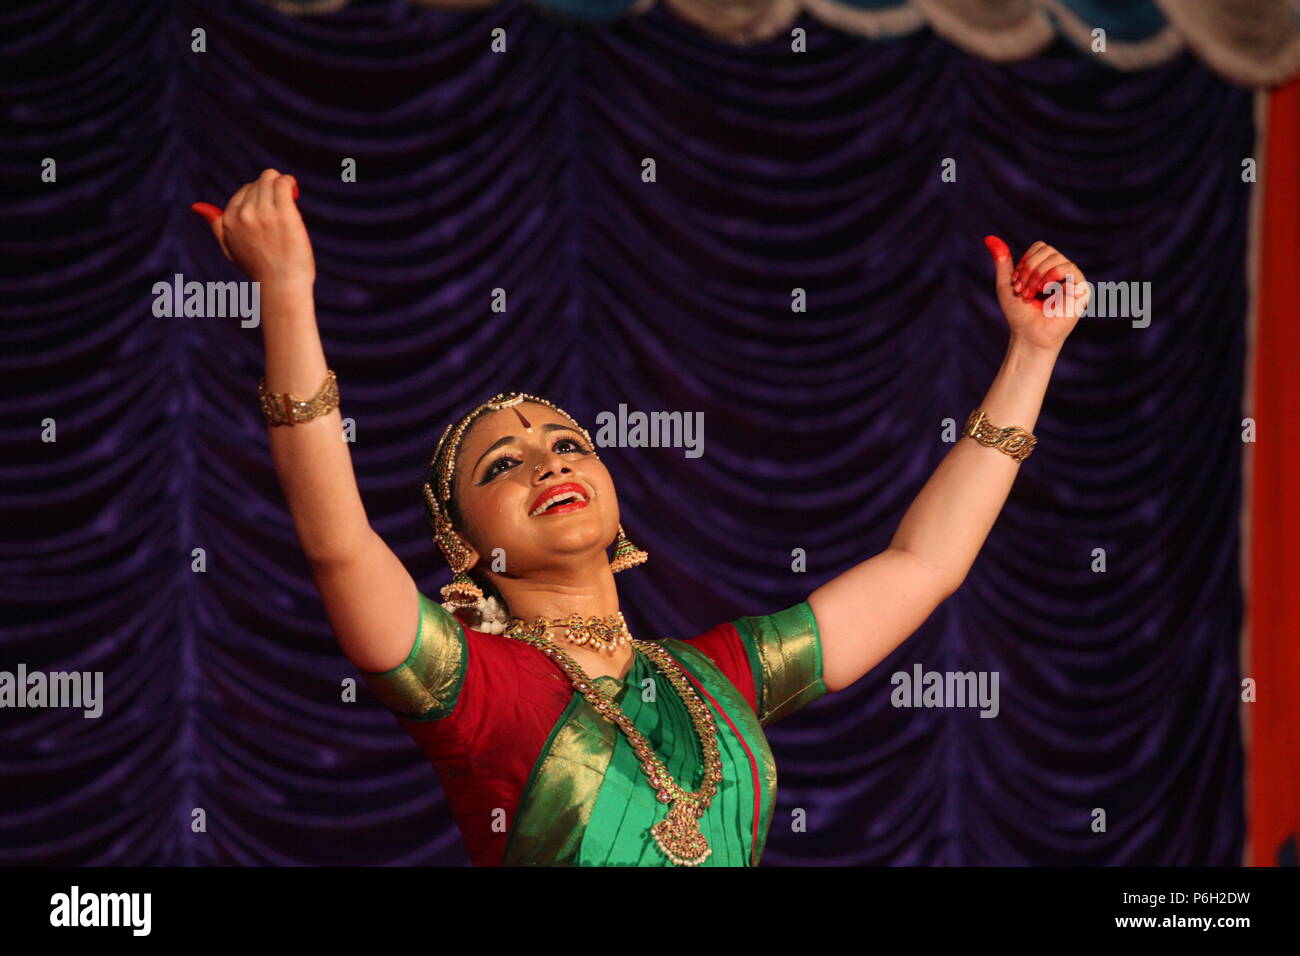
281,408
1012,440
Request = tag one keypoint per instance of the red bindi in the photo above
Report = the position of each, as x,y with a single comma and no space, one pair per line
523,420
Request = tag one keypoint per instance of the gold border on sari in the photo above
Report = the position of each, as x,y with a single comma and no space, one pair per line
425,685
560,795
790,654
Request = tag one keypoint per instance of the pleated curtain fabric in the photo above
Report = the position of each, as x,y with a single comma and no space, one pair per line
778,180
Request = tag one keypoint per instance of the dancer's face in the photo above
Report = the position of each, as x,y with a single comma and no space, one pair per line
505,472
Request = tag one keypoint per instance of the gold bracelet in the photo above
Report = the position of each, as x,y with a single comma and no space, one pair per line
281,408
1012,440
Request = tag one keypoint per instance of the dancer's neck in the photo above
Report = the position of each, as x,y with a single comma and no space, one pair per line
556,597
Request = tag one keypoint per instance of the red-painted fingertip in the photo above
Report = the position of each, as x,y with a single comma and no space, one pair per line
996,247
295,189
208,211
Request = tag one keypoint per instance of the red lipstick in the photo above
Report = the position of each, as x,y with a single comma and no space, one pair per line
567,489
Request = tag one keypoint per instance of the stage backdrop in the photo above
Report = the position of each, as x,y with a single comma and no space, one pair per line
523,171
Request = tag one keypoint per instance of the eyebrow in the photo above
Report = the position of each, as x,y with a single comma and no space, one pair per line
507,439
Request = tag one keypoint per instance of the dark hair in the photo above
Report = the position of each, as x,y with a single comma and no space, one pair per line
454,514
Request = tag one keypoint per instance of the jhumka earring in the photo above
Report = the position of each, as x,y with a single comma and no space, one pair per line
626,554
462,591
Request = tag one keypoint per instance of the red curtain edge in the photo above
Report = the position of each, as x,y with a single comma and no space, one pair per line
1272,722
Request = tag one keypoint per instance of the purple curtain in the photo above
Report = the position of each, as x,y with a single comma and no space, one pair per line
522,171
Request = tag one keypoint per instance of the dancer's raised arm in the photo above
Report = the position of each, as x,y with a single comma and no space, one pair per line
866,612
370,597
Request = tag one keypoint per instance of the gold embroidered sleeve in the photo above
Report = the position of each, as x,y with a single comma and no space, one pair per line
785,654
425,685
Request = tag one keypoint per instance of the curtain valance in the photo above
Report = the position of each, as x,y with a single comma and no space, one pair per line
1250,42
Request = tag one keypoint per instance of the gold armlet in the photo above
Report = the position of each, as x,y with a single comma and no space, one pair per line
1012,440
281,408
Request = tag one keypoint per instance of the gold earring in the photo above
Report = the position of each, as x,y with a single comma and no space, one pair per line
462,591
626,554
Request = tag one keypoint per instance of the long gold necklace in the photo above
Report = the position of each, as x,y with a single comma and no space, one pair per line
678,835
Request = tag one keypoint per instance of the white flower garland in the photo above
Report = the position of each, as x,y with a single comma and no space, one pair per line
488,615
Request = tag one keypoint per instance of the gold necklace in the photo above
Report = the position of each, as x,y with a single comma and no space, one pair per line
606,634
678,834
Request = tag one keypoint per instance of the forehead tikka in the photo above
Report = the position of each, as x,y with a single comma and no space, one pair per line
449,443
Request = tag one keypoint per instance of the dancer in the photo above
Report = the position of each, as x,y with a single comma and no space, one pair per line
559,737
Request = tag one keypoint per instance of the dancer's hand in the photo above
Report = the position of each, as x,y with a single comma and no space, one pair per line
262,232
1037,317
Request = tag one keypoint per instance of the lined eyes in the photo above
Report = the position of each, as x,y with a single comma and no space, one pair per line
562,446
